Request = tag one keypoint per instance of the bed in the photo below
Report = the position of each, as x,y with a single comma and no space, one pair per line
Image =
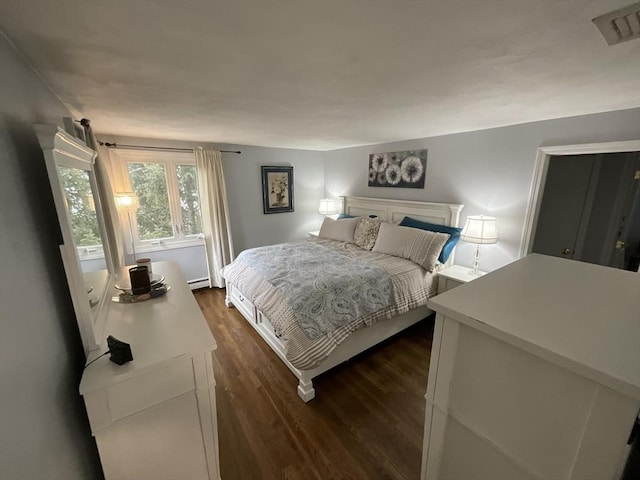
301,328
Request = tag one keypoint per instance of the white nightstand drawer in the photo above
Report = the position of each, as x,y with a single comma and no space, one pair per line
454,276
445,284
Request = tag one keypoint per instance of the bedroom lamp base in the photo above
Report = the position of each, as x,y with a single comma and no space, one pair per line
476,261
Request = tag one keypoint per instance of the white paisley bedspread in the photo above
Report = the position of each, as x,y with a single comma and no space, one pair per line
293,285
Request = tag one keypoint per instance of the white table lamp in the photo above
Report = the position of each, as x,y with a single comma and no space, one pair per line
327,207
480,230
128,201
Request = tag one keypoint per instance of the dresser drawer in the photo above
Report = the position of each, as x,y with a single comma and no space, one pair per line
119,400
163,442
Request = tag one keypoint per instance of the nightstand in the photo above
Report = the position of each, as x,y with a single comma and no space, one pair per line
314,234
454,276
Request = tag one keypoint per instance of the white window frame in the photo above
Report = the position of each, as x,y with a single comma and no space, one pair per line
90,252
170,161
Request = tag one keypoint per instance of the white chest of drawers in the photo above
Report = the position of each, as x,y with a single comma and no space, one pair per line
534,374
155,418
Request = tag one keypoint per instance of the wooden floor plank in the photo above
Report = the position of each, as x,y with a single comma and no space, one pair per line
366,421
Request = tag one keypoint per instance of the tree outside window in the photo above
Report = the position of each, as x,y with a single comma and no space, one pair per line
149,181
169,205
189,200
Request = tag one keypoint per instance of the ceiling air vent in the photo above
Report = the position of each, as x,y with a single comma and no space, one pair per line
621,25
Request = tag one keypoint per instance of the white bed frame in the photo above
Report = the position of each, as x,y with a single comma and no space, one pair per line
391,211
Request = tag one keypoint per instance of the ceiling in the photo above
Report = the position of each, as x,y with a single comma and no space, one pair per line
326,74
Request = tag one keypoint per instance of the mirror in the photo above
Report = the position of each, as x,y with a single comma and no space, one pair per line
85,251
85,230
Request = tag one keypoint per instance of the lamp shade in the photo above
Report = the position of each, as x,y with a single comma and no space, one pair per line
327,207
480,229
126,200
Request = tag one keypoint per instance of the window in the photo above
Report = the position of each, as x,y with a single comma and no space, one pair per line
149,182
189,201
167,189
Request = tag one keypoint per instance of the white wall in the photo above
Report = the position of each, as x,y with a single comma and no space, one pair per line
44,432
192,260
489,171
250,226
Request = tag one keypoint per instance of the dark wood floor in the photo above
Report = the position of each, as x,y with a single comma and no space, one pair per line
366,421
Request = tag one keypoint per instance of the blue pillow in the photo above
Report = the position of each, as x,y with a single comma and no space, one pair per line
454,234
344,215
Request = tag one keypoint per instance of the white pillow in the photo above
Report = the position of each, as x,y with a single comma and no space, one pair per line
341,230
420,246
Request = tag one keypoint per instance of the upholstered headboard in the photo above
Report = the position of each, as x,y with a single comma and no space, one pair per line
394,211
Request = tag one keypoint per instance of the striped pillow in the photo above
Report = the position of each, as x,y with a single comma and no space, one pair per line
420,246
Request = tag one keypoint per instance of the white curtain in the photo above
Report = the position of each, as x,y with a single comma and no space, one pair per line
120,182
103,173
215,213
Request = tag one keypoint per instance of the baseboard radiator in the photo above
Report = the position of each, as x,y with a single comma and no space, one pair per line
198,283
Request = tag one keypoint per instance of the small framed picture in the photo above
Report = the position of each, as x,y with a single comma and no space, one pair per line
277,189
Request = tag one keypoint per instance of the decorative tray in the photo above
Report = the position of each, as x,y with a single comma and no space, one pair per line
125,283
157,290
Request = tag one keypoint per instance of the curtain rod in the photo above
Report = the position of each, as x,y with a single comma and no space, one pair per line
166,149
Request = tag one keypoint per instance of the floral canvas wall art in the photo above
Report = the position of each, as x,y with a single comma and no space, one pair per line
398,169
277,189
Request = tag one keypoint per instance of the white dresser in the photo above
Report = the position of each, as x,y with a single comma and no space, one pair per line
155,417
534,374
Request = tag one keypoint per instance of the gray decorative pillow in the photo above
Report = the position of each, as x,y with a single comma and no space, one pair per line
341,230
419,246
366,232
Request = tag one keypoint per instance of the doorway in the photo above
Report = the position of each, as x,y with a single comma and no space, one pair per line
585,204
